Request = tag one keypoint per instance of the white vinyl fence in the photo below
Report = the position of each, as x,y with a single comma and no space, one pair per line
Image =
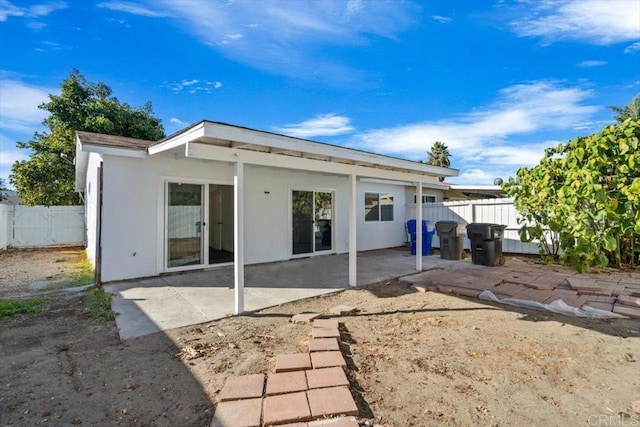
495,211
27,226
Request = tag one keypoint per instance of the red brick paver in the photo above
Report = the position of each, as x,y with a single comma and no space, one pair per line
238,413
331,402
325,323
335,422
242,387
629,300
326,377
342,310
605,306
293,362
305,317
325,333
286,382
327,359
323,344
633,312
286,408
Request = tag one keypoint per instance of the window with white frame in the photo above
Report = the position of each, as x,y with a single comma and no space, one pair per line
378,207
426,198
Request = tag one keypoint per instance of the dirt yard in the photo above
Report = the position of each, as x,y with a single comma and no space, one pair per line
414,359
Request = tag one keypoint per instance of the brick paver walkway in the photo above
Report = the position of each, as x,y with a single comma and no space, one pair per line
610,291
311,389
307,389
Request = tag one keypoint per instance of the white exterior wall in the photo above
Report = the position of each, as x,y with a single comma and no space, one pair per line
133,210
91,206
133,197
381,234
268,216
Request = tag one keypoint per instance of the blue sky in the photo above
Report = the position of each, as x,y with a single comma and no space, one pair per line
497,81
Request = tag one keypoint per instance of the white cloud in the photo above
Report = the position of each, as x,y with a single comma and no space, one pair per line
194,86
8,9
599,22
520,109
441,19
9,156
176,121
490,138
36,25
632,48
19,102
474,176
320,125
292,37
591,63
132,8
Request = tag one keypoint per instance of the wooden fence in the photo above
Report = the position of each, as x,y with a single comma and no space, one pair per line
496,211
28,226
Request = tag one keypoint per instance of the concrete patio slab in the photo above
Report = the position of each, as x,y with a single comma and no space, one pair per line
160,303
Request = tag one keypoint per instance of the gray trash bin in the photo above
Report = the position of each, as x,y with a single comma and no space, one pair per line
451,236
486,243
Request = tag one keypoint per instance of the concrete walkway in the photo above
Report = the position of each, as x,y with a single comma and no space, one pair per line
166,302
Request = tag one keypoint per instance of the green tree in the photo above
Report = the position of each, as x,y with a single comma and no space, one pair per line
439,155
47,177
3,188
630,111
584,198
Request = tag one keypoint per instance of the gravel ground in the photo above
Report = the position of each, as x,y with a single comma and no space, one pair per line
20,268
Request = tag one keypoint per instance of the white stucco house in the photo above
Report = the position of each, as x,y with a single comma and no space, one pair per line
215,194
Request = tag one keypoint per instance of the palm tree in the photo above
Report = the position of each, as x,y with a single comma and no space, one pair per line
631,111
439,155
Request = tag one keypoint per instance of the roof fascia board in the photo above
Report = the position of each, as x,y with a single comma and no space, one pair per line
178,140
81,164
210,152
476,187
112,151
428,185
285,143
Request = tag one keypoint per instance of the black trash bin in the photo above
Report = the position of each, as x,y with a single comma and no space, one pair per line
451,239
486,243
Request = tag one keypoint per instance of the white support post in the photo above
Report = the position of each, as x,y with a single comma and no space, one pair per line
238,235
353,224
419,226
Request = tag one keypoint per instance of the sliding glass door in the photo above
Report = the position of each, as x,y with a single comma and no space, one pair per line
184,216
312,216
198,225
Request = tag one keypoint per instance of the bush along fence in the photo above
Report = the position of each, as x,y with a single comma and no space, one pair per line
585,197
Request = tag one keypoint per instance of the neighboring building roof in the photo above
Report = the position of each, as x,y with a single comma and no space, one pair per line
11,198
475,192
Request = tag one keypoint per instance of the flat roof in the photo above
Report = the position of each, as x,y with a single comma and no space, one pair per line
228,139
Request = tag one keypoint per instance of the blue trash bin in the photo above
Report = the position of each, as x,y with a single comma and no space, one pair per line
428,230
